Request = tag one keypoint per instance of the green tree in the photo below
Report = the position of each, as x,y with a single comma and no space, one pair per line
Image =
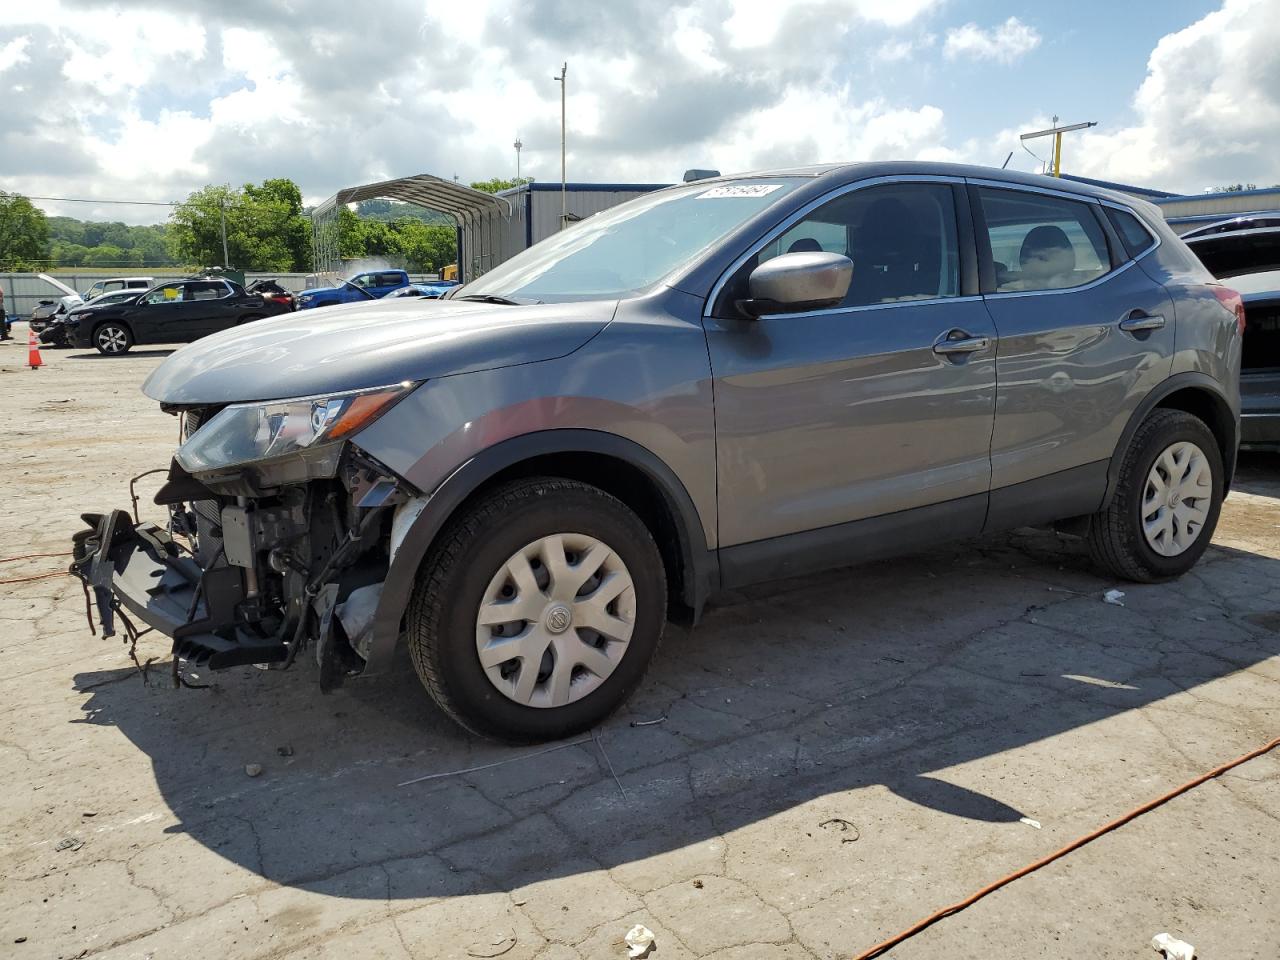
265,227
24,233
497,183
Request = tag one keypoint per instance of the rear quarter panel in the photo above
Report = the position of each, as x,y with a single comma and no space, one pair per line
1207,340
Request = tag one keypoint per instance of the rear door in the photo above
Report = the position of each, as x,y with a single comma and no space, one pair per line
874,407
1084,337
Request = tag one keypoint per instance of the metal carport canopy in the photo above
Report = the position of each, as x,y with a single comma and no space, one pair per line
425,190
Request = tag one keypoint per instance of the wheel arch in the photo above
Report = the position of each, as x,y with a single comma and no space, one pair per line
1196,394
118,321
619,466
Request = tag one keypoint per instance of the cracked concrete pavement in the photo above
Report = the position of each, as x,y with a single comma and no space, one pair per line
840,756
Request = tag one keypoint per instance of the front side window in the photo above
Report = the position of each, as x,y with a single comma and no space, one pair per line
901,238
1039,242
630,247
169,293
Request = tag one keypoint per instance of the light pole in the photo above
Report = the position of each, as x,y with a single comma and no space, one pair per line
564,193
518,145
1056,132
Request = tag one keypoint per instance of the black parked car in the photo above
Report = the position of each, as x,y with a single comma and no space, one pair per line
53,332
176,312
1248,261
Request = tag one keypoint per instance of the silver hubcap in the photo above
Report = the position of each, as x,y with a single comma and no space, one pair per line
1175,504
555,620
111,339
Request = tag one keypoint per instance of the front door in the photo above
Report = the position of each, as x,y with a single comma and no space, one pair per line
872,408
156,317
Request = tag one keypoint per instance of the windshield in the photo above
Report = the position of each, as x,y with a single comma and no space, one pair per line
631,246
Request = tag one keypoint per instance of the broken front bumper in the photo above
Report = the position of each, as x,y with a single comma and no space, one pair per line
138,570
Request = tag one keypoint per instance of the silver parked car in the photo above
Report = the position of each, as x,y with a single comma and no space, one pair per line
719,383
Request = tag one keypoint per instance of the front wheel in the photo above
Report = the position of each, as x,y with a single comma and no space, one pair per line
1166,503
112,339
538,610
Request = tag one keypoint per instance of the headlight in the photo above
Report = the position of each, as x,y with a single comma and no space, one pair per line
249,432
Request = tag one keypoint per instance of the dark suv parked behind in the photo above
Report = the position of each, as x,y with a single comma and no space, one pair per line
176,312
714,384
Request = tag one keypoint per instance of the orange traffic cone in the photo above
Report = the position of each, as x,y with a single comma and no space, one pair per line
33,352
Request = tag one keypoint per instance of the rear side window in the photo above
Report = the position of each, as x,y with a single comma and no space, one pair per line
1133,234
901,238
388,279
1039,242
206,291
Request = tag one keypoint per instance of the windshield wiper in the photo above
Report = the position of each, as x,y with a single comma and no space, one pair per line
494,298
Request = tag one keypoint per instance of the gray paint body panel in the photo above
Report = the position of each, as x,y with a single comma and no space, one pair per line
645,377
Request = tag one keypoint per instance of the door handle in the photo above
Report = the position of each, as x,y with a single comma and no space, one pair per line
1137,322
957,341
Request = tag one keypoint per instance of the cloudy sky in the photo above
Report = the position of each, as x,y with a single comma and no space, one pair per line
134,100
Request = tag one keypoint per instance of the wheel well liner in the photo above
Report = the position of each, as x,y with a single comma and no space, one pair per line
1198,395
617,465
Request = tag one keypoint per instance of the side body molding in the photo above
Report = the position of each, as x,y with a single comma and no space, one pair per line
701,571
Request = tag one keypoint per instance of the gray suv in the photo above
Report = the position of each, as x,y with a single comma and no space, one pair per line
720,383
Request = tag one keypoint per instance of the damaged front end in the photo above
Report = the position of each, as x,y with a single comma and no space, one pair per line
278,538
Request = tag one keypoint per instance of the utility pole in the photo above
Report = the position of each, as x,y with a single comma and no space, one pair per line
564,190
1056,132
222,212
518,145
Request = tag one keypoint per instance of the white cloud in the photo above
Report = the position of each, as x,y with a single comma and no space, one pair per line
1006,43
14,53
1208,112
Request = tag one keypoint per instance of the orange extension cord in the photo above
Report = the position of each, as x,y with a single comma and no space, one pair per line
1133,814
38,576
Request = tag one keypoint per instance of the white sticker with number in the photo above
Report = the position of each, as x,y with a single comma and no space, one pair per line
740,190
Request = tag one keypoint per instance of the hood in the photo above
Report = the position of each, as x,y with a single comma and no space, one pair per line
340,288
317,352
70,298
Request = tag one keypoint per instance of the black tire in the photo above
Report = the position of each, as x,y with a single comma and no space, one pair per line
112,339
1116,541
457,571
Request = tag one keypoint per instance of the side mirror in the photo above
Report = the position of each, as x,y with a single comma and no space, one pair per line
794,282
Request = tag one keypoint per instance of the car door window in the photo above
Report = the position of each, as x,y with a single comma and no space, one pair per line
901,238
209,290
1040,242
169,293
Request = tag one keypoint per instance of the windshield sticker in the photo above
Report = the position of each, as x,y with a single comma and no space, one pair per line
740,190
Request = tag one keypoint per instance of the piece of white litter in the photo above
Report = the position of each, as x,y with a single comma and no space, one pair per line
1172,947
1114,597
639,940
1029,822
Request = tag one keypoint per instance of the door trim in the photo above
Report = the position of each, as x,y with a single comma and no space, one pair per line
846,544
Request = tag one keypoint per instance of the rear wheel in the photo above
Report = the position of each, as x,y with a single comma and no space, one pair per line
1166,503
538,610
112,338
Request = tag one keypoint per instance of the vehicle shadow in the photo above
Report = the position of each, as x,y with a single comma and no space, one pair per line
95,355
1258,473
882,675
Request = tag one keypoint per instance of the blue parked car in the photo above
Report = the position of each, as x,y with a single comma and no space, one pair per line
370,285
